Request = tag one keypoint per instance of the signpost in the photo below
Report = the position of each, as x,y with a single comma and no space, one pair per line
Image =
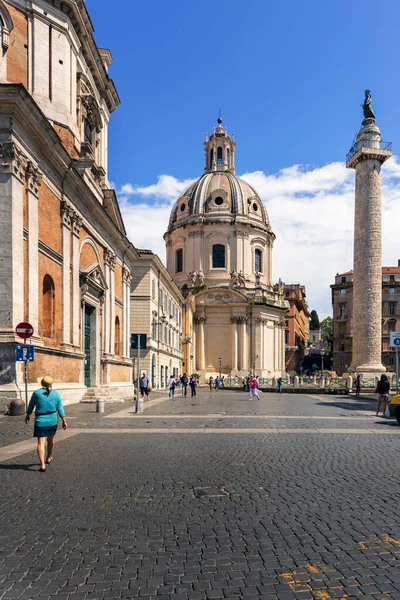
395,343
138,342
23,352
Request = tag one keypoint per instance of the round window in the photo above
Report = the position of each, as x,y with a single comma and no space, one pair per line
219,201
255,207
183,206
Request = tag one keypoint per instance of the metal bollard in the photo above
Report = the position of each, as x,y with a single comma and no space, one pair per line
100,405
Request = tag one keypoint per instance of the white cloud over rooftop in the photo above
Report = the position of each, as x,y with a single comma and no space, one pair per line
311,213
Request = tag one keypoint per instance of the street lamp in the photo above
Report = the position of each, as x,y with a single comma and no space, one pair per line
220,369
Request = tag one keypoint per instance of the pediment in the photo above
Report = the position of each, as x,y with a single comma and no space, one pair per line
219,295
111,206
94,278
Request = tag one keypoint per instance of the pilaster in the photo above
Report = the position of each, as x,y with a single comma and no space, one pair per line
76,223
33,182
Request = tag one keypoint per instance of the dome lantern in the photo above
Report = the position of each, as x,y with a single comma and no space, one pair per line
220,151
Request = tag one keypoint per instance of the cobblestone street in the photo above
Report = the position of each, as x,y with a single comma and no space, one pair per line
208,497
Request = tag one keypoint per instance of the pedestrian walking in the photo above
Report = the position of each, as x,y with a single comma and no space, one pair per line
211,382
382,389
172,384
222,382
279,385
254,392
48,407
144,386
217,383
358,384
193,385
184,383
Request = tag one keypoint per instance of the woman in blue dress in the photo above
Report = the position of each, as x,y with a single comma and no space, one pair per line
48,407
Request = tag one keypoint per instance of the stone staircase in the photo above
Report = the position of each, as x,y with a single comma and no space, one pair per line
111,394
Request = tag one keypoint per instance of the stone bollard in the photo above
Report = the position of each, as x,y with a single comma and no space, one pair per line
274,382
17,407
349,382
139,406
100,405
315,379
296,381
321,382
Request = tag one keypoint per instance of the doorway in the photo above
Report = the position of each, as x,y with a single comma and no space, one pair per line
88,335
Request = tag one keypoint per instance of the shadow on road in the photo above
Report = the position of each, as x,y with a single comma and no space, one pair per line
351,404
31,467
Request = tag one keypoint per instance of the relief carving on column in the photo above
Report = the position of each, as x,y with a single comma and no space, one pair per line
199,319
242,319
34,177
126,276
76,224
260,321
12,159
109,258
66,213
242,234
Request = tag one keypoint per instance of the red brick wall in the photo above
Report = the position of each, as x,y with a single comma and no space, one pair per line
17,54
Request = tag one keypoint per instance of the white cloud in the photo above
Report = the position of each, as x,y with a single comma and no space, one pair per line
311,213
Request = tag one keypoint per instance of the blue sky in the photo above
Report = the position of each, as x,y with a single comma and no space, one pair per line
289,78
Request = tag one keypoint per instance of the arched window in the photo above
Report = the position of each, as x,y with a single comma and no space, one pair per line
179,261
228,158
258,261
219,156
48,307
211,157
117,340
218,256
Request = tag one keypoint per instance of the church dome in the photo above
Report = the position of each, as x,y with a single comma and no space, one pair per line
219,195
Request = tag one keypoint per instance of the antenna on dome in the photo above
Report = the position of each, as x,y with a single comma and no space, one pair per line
219,117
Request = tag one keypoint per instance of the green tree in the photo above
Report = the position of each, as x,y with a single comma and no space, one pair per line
327,329
314,322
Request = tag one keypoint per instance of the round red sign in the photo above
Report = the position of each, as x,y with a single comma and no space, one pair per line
24,330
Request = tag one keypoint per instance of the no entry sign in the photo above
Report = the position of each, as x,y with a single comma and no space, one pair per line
24,330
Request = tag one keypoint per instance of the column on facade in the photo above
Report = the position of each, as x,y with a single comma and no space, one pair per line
107,305
112,305
66,220
76,300
234,343
282,326
126,279
200,339
258,342
33,181
243,360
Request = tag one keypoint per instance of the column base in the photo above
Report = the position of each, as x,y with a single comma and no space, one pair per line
369,368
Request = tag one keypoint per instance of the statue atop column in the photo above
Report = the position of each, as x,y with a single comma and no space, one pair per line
367,108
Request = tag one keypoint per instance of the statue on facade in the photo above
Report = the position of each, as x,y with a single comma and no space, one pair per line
200,278
242,281
280,286
192,278
367,108
235,278
258,279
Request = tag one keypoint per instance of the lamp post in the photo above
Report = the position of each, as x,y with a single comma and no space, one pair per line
220,369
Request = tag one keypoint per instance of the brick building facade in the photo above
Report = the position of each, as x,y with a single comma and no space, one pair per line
297,325
342,302
63,250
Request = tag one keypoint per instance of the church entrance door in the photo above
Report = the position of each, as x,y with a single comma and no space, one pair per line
88,314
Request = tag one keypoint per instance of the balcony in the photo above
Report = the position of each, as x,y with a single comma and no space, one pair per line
376,146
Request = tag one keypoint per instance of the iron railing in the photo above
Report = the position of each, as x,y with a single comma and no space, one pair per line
376,145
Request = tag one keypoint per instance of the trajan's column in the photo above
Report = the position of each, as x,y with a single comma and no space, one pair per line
367,156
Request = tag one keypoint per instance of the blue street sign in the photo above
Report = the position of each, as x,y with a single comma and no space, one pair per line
395,339
24,353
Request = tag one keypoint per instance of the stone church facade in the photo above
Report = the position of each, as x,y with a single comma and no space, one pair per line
219,253
64,254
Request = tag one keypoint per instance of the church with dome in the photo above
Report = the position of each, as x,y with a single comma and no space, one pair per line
219,253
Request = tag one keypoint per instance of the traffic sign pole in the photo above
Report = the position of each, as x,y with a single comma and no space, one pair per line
397,369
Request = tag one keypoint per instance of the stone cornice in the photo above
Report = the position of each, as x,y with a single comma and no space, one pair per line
21,118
